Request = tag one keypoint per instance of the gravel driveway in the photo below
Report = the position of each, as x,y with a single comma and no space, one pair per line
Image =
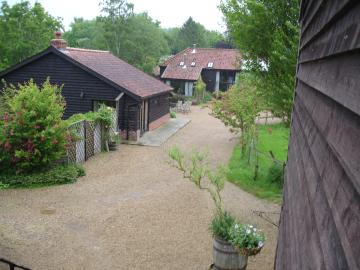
131,211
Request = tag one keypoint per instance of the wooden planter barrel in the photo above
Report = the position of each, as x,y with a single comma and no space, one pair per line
226,257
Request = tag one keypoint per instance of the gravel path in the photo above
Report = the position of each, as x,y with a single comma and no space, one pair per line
131,211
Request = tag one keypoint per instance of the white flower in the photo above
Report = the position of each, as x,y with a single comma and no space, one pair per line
251,226
236,226
261,244
254,229
248,231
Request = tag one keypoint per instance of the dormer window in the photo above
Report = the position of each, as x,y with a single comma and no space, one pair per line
210,64
193,64
181,63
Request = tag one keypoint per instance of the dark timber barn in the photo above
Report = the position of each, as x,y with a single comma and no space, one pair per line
90,77
320,219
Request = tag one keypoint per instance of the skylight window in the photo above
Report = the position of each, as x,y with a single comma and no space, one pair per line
193,64
210,64
181,63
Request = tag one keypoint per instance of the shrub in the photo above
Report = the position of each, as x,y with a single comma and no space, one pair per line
173,114
207,97
276,174
103,115
32,133
60,174
200,90
221,224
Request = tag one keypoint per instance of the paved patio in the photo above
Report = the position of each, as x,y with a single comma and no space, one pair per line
160,135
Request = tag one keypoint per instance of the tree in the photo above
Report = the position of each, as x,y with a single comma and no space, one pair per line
145,42
24,31
238,108
172,37
136,38
115,17
86,34
266,31
191,33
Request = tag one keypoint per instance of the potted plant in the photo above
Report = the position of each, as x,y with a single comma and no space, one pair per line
246,238
233,241
114,141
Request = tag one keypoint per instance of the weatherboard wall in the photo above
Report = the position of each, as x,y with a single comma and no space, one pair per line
75,81
158,107
320,219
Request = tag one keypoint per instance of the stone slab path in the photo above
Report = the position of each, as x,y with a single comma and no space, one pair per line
131,211
160,135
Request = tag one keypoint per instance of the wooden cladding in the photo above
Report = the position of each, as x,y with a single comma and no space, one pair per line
320,219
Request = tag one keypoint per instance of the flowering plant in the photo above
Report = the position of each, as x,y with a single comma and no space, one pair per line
32,133
245,236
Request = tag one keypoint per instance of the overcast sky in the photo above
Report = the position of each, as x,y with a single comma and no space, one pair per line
170,13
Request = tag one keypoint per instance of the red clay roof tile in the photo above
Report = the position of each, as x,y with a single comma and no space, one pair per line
118,71
222,59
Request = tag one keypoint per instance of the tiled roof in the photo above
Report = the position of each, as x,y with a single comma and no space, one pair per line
222,59
118,71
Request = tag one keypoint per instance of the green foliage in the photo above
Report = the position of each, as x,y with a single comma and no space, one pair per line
3,186
238,108
191,33
195,168
56,175
200,88
270,138
245,236
136,38
276,174
32,133
267,31
207,97
221,224
173,114
86,34
104,115
25,30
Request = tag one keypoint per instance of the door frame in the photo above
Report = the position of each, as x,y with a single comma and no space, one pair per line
144,116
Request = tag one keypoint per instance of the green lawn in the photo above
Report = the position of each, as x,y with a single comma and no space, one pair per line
271,138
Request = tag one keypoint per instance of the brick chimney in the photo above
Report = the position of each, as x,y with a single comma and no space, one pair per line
58,42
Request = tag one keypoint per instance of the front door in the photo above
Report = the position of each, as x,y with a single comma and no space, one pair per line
144,123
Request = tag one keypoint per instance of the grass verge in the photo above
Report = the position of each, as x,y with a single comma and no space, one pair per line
241,172
57,175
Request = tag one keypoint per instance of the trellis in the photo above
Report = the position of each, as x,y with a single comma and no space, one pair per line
88,141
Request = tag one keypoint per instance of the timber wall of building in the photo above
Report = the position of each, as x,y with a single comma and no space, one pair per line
74,80
158,107
320,219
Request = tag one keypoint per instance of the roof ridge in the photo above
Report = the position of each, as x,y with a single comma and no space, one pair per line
174,55
217,49
86,50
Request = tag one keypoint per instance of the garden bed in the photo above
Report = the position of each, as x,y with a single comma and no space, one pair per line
57,175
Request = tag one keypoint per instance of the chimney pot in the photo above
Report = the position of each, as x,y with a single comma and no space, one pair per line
58,42
194,48
58,34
